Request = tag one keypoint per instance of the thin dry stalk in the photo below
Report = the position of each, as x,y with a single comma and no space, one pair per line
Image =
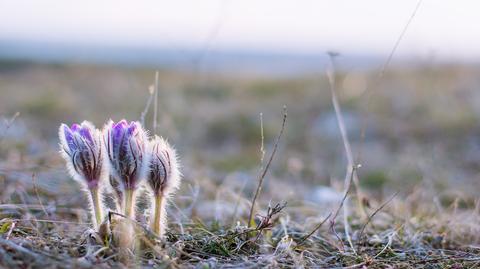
342,205
265,170
381,73
346,143
212,34
35,189
399,39
151,91
262,145
314,230
8,124
155,105
375,213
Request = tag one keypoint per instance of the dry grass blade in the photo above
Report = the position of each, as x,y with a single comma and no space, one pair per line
340,206
384,68
351,168
35,189
151,91
8,124
375,212
314,230
265,170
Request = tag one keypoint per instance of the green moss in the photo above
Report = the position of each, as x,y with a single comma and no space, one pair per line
374,180
235,163
244,129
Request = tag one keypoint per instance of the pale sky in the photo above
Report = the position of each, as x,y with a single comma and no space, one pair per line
443,28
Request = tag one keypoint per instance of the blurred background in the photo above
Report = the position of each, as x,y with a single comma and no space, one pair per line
407,76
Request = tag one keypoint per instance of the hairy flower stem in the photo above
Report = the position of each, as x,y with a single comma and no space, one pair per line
97,208
157,220
128,210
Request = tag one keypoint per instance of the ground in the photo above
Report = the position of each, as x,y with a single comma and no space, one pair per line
415,133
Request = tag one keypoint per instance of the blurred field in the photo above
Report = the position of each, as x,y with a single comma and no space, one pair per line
421,140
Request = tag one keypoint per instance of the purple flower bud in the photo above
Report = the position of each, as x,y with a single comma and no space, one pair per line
163,176
81,146
126,148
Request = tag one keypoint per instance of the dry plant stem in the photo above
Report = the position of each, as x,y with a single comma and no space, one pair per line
53,221
265,170
314,230
129,204
262,146
342,204
38,196
346,143
147,106
157,220
8,125
97,208
382,70
155,105
375,213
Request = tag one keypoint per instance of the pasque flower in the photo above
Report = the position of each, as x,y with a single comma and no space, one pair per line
163,178
81,146
126,146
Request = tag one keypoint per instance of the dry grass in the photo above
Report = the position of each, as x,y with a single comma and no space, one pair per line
431,223
400,235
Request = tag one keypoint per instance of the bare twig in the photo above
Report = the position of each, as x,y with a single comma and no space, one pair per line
375,213
265,170
266,221
314,230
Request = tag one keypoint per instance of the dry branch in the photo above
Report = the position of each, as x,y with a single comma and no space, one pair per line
265,170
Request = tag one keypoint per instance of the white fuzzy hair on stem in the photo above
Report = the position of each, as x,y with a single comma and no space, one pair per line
163,179
82,148
127,149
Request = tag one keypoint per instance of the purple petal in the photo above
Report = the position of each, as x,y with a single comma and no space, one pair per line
69,138
118,131
132,128
75,127
85,133
121,124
